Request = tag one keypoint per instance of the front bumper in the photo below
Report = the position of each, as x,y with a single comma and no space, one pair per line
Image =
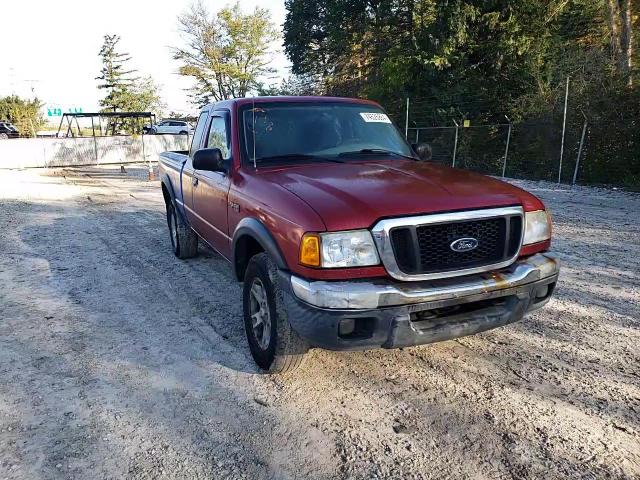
358,315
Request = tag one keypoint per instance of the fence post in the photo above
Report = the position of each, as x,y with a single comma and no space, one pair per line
406,122
95,143
144,157
584,130
506,150
455,145
564,128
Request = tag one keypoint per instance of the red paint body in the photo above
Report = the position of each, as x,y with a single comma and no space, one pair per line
291,200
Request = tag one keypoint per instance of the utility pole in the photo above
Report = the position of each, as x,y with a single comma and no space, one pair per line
12,80
564,128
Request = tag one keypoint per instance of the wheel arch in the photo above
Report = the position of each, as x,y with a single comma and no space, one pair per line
167,188
251,237
167,191
169,196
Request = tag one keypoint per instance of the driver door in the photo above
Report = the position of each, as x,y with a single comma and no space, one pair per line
211,189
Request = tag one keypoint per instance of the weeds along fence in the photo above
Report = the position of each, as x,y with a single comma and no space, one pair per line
500,149
527,151
84,151
595,150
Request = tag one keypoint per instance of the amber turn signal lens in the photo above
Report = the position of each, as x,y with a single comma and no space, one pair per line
310,250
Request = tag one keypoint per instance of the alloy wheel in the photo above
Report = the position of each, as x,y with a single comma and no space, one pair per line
260,315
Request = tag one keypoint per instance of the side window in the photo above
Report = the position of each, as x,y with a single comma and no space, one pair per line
197,136
218,137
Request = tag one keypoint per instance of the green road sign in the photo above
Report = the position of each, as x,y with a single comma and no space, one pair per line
57,112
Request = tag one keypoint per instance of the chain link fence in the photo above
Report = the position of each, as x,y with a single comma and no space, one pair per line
532,153
593,151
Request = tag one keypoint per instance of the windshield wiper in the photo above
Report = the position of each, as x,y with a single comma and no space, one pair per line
297,156
375,151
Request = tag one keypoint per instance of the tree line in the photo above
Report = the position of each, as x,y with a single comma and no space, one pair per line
484,61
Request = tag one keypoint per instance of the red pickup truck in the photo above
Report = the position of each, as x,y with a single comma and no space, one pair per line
345,236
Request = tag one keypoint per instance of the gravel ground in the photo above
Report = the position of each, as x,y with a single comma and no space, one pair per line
119,361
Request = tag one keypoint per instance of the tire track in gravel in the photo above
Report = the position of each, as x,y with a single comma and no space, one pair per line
205,421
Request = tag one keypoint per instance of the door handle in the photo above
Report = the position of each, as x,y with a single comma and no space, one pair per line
194,181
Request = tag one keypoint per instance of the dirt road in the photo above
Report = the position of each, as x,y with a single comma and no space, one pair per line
119,361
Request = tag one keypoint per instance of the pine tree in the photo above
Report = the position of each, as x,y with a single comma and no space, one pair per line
114,77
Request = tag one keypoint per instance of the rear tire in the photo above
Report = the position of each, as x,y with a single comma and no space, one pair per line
4,136
274,345
184,240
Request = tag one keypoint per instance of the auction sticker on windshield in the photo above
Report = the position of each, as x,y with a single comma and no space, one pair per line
371,117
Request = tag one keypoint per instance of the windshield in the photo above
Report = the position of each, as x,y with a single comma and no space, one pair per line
295,132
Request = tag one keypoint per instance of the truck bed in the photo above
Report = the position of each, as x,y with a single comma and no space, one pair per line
174,159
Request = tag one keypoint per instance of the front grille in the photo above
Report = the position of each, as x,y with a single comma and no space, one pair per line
424,249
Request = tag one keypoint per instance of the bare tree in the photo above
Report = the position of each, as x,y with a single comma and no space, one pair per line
226,54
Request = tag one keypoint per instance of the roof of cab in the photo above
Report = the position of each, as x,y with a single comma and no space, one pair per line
289,99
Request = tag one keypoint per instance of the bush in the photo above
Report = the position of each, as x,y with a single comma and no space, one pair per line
25,114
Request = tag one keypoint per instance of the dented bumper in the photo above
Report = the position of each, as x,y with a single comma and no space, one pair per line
387,314
384,293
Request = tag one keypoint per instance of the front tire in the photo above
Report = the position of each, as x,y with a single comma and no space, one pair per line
274,345
184,240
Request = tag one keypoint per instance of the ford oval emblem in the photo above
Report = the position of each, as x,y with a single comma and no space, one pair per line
464,244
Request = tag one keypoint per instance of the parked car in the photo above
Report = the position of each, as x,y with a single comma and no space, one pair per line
7,130
345,236
174,127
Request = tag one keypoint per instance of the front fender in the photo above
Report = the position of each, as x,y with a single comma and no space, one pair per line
255,229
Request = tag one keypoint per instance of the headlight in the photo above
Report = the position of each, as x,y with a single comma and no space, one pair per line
339,249
537,227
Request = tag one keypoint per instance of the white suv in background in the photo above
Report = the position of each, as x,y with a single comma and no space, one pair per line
175,127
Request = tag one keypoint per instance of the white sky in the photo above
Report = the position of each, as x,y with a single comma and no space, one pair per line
51,47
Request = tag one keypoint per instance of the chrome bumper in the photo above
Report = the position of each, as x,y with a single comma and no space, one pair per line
374,294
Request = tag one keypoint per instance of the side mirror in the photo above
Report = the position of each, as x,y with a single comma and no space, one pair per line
209,159
423,150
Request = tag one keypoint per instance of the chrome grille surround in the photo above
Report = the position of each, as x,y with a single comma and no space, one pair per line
381,236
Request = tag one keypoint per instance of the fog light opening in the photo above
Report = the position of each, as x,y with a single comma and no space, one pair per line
356,328
543,292
346,327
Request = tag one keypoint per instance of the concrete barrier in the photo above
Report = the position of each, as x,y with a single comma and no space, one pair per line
64,152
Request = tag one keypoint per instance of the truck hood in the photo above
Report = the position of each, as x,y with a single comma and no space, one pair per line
356,194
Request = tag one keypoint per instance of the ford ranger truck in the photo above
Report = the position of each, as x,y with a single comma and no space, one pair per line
345,236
